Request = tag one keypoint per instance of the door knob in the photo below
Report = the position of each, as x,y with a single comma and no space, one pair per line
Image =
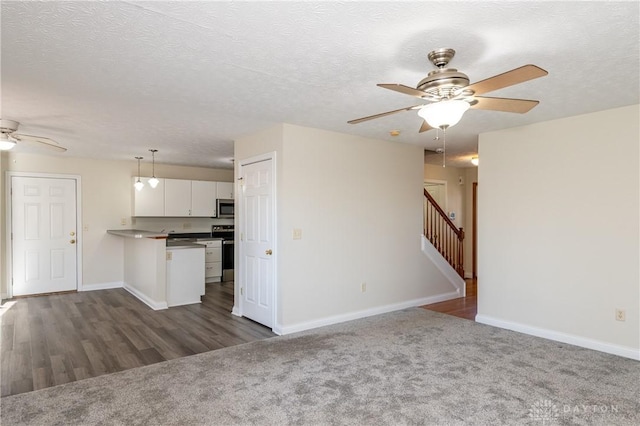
72,241
72,233
268,252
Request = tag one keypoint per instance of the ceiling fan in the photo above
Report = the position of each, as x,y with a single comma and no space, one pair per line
451,95
9,138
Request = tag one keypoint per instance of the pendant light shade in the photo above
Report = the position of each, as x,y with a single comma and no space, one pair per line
444,114
138,185
153,182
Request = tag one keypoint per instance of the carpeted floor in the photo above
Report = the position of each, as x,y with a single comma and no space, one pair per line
407,367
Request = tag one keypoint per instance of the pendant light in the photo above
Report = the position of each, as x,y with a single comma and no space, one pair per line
153,182
138,185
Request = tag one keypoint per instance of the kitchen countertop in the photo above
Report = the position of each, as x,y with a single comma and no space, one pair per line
136,233
183,245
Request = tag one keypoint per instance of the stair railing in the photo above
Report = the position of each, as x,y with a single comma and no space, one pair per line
443,234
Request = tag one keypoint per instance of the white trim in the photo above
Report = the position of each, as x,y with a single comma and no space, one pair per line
3,296
8,247
238,308
156,306
571,339
279,329
468,275
102,286
443,266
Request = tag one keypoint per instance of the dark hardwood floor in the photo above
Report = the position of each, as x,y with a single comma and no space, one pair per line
463,307
55,339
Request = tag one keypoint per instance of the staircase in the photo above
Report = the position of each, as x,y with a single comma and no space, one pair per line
443,234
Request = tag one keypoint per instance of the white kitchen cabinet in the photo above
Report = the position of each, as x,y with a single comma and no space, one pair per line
203,198
148,201
177,197
225,190
189,198
185,275
213,260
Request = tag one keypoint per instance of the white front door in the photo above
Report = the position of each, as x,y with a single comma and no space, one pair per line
257,238
44,234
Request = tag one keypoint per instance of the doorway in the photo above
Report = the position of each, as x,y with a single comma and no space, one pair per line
43,218
257,255
438,190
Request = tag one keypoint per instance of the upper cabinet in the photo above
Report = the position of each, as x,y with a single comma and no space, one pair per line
225,190
180,198
203,198
177,197
149,201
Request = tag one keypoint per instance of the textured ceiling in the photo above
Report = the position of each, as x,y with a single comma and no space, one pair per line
113,79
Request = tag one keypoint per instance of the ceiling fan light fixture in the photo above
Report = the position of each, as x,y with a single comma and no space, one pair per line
6,143
444,114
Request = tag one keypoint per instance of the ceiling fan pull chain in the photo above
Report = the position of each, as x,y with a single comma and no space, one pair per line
444,146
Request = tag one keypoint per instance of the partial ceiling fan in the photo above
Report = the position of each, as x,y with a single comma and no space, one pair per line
9,138
451,95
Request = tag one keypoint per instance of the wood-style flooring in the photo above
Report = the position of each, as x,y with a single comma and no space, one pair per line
55,339
463,307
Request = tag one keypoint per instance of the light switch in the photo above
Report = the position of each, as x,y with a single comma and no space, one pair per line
297,233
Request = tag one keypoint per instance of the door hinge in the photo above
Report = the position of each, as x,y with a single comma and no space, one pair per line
241,291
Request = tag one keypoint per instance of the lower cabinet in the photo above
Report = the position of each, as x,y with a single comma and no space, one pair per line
212,260
185,277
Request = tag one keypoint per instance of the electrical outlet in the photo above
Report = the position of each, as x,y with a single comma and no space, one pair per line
85,228
123,221
169,255
297,234
363,287
621,315
186,225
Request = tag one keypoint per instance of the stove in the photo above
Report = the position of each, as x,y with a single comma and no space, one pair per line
226,232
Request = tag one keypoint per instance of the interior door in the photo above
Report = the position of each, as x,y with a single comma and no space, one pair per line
257,237
43,227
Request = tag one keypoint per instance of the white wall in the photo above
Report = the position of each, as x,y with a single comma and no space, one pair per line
359,204
559,229
107,197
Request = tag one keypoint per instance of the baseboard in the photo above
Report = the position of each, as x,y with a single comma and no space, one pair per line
281,330
443,266
4,296
156,306
235,311
557,336
102,286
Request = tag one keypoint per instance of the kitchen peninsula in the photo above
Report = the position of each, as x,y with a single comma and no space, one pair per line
146,262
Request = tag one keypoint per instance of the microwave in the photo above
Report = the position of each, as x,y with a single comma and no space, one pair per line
225,208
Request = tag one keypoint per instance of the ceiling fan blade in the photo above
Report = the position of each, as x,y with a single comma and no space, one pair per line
382,114
506,79
49,143
425,126
405,89
504,104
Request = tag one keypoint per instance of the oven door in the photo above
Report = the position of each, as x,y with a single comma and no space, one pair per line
227,260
